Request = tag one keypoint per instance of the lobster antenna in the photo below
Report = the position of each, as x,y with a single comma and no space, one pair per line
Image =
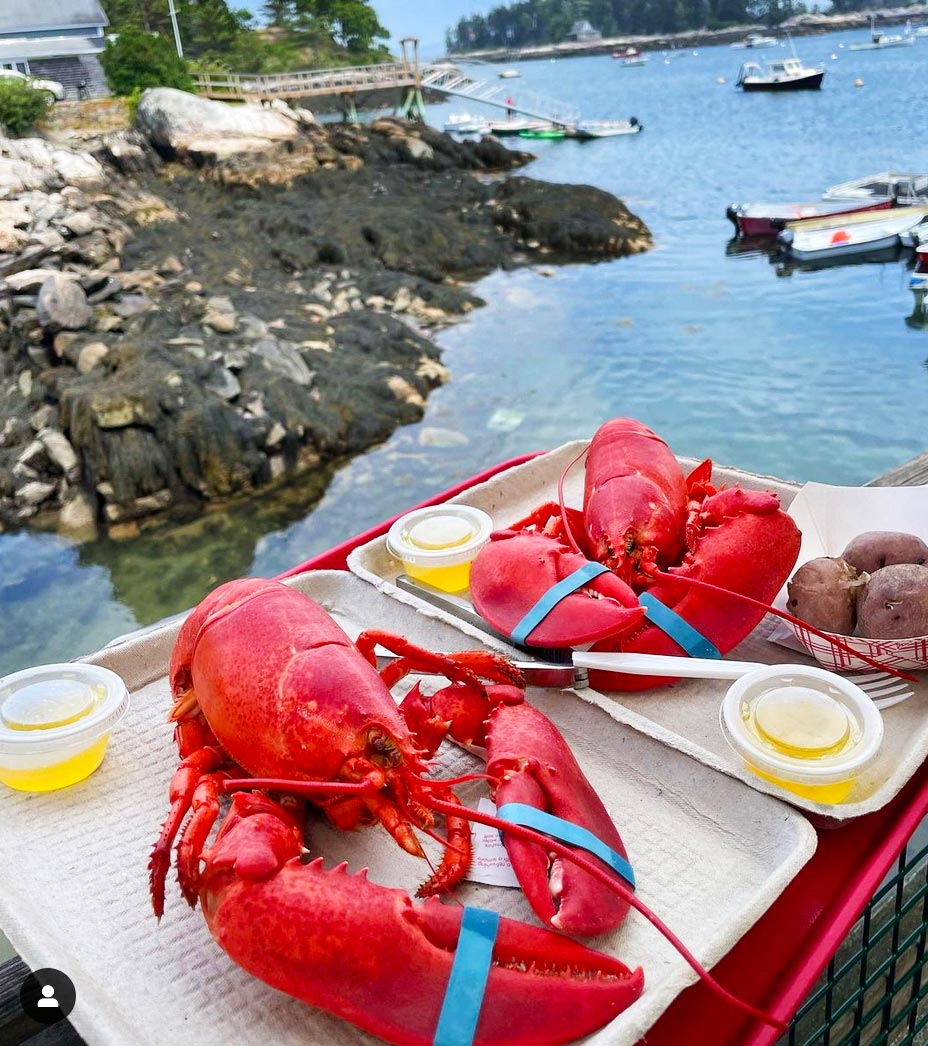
827,636
617,886
562,504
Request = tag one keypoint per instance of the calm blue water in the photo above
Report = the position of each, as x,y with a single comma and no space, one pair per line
807,375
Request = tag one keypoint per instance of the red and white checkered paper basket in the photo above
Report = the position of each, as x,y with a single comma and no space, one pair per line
906,654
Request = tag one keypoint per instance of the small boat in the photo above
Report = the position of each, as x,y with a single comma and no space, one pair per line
754,40
878,40
544,132
783,74
631,56
509,74
515,125
904,187
588,129
837,235
465,123
767,219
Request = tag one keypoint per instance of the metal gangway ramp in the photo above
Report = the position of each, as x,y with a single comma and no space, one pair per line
450,79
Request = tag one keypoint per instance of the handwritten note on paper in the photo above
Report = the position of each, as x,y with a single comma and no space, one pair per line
491,862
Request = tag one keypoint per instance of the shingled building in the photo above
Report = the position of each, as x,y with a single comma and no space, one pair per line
56,39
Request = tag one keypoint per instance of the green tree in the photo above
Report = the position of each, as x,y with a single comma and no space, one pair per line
138,59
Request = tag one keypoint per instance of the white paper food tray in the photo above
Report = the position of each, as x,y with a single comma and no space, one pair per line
710,856
685,715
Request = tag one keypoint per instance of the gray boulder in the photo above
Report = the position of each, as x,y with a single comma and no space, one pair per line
62,305
188,125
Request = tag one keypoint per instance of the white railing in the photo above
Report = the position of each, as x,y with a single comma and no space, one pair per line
443,77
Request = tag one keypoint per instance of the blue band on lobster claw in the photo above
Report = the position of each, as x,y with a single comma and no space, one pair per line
680,631
553,596
457,1022
567,832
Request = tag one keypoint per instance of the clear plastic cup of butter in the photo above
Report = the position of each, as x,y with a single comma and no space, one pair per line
55,723
437,545
807,730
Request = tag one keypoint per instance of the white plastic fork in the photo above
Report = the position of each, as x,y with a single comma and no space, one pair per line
883,689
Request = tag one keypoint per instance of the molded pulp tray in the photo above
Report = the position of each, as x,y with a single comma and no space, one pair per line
684,715
710,856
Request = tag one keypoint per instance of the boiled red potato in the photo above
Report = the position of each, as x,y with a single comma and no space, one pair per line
875,549
823,592
894,603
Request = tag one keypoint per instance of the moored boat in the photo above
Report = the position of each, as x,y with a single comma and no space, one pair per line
755,40
514,125
588,129
782,74
837,235
466,123
905,188
767,219
545,132
879,40
630,56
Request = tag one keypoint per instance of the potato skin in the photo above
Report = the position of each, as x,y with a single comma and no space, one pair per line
894,603
875,549
823,593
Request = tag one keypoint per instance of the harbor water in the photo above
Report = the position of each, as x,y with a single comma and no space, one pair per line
806,374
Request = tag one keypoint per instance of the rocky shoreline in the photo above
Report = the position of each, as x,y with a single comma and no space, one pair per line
224,299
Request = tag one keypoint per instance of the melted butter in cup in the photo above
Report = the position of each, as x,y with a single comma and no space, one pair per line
806,730
801,722
55,723
437,544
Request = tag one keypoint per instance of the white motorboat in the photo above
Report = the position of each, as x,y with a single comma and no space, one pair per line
879,40
904,187
509,74
782,74
466,123
604,128
754,40
839,235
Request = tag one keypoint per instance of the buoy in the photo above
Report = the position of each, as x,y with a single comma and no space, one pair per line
720,79
858,82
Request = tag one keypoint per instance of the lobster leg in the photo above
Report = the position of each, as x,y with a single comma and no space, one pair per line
542,988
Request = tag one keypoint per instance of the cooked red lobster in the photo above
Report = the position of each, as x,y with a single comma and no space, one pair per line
266,684
714,558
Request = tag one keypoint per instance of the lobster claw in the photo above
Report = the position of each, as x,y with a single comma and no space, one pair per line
515,569
332,939
549,779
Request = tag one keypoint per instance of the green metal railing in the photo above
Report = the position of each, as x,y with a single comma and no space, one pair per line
875,989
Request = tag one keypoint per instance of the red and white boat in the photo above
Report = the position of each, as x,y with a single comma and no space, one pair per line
767,219
837,236
631,56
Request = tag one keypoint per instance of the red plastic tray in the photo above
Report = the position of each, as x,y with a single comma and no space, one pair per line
775,964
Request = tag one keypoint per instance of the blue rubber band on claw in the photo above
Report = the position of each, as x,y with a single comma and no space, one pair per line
553,596
680,631
567,832
460,1010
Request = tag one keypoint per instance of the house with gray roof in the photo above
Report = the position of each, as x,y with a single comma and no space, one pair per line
56,39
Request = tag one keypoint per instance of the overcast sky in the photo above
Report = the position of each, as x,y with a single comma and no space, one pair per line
427,19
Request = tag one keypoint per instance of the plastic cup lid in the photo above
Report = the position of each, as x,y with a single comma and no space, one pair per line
440,535
44,708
